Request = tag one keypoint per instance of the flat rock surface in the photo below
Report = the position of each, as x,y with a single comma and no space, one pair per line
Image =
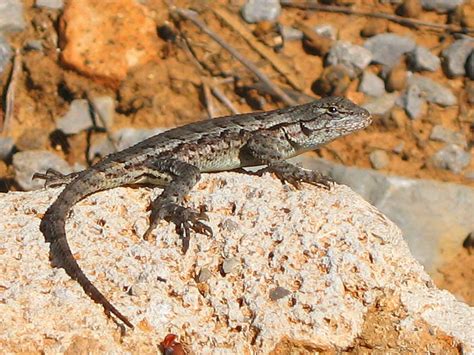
351,279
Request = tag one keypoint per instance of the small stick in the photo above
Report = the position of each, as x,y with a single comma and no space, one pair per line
194,18
10,97
398,19
224,99
99,117
211,111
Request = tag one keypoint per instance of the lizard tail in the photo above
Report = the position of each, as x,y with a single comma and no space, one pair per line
53,227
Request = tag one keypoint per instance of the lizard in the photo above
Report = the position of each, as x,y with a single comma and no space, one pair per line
175,159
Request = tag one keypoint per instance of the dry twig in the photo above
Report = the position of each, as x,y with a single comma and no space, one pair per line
10,97
194,18
398,19
222,98
264,51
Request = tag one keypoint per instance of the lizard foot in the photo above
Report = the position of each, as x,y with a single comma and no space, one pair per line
54,178
295,175
186,219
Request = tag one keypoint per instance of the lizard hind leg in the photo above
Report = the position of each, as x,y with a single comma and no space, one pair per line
168,205
54,178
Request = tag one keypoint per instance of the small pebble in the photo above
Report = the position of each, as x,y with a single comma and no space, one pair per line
230,265
371,84
50,4
373,27
5,53
443,134
6,146
334,81
398,149
279,293
27,163
422,59
414,103
11,16
455,56
77,119
291,33
451,157
379,159
204,275
388,48
261,10
327,31
355,58
433,91
381,105
441,5
104,106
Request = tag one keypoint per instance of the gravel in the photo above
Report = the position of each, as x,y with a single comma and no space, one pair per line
443,134
261,10
354,58
77,119
441,5
50,4
381,105
6,146
422,59
379,159
432,91
455,56
5,53
388,48
11,16
371,84
413,102
451,157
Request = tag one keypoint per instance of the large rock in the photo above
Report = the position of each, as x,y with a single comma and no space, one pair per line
286,271
104,39
435,217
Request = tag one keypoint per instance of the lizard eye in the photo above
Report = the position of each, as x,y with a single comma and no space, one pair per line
332,109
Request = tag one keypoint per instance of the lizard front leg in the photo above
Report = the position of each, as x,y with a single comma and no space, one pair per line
271,148
168,205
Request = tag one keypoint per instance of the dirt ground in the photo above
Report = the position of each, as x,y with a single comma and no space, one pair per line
169,92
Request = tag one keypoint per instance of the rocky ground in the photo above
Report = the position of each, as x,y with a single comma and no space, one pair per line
83,78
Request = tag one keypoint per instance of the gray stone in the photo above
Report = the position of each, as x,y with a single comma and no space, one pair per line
435,217
104,107
327,31
5,53
379,159
6,146
36,161
422,59
456,55
381,105
291,33
388,48
261,10
204,275
433,91
441,5
230,265
413,102
279,293
443,134
354,58
34,45
11,16
470,66
50,4
77,119
371,84
124,138
451,157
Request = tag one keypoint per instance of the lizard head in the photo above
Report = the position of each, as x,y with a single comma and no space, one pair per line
333,117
